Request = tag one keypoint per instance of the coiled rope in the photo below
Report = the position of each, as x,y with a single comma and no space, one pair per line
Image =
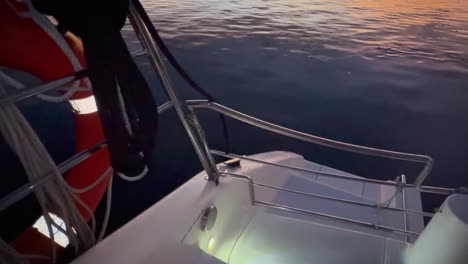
53,196
56,195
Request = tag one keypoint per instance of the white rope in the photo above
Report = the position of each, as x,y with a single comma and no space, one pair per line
45,24
15,141
56,195
53,195
108,209
136,178
104,175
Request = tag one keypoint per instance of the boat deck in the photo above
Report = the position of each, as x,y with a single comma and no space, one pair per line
277,239
247,231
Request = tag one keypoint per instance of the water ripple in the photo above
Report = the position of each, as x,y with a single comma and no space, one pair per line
341,41
430,30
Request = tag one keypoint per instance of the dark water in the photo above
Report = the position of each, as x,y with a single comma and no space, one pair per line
386,74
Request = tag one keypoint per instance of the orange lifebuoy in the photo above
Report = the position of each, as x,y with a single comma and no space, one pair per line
26,47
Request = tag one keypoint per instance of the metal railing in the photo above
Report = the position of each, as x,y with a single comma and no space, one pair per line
52,85
42,88
29,187
186,115
400,186
423,189
256,202
347,201
319,140
187,118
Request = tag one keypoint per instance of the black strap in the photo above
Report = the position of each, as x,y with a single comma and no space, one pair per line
173,61
154,33
111,68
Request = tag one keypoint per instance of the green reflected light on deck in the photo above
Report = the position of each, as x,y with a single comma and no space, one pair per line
211,242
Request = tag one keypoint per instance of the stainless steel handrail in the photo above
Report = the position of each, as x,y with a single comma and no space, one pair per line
403,197
328,174
440,190
138,53
395,209
28,188
45,87
423,189
52,85
341,200
318,140
308,212
164,107
180,106
247,178
149,48
341,219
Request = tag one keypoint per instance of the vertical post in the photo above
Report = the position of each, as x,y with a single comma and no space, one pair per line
403,196
424,173
189,122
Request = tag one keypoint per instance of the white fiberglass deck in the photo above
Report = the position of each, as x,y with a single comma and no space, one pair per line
314,183
277,239
169,232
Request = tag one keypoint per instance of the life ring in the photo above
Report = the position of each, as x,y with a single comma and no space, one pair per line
26,47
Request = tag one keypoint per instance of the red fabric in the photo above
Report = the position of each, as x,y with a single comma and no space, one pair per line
26,47
89,132
32,241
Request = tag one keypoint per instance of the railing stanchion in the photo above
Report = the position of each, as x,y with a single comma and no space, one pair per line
189,122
